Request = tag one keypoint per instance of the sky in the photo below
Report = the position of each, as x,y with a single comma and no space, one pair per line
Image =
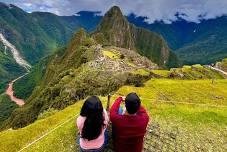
154,10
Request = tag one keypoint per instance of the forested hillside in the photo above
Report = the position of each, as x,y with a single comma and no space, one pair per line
35,35
203,42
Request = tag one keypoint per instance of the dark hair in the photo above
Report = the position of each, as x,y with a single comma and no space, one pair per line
132,103
92,109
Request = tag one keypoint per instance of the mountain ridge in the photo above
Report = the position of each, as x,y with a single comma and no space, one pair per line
82,68
35,35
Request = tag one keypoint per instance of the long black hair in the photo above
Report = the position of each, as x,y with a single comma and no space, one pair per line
92,109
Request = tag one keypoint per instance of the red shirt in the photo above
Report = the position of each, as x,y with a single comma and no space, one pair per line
128,130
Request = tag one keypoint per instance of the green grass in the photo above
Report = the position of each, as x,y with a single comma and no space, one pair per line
185,104
162,73
193,72
111,54
14,140
130,64
142,72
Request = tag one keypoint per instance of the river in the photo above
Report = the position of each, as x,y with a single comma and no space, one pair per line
9,91
20,61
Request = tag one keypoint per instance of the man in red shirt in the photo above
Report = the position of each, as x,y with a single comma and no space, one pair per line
129,127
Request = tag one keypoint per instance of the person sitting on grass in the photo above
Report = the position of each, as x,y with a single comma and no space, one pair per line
92,125
129,125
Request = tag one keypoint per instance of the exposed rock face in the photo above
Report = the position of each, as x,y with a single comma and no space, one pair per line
117,31
16,54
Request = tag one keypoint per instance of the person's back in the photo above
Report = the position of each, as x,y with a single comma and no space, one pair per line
92,125
129,128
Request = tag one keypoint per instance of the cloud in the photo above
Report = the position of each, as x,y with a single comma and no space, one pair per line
166,10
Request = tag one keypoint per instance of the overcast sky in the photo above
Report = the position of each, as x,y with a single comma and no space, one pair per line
165,10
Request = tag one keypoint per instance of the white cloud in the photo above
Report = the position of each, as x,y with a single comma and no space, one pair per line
154,9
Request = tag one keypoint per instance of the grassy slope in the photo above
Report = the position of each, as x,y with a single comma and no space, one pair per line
222,65
6,107
193,72
197,123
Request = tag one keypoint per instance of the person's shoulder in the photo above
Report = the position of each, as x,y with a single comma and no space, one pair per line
80,120
143,112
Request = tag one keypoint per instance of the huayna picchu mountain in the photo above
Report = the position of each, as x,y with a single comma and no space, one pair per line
114,29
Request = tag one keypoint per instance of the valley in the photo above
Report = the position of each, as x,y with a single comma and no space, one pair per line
21,62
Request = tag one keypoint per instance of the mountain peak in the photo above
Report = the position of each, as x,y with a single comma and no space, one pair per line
116,29
114,15
115,11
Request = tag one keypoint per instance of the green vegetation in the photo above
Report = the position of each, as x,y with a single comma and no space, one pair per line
24,87
193,72
162,73
203,43
198,115
142,72
111,54
222,65
204,51
115,30
6,107
192,102
35,35
68,76
9,69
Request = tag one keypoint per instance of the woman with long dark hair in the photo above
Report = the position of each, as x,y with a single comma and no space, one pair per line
92,124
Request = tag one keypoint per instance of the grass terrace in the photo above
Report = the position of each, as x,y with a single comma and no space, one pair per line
185,115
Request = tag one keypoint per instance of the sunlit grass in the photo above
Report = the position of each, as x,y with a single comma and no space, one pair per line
111,54
142,72
165,100
163,73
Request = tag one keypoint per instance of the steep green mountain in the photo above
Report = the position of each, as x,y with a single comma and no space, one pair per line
114,29
209,44
83,68
23,88
203,42
35,35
